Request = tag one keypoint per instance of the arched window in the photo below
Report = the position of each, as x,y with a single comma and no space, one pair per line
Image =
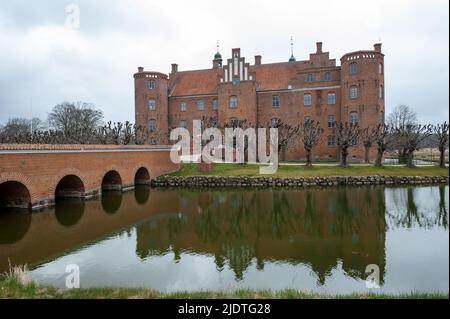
381,92
353,92
183,106
233,102
307,101
200,105
354,118
152,105
152,125
353,68
215,104
327,76
151,85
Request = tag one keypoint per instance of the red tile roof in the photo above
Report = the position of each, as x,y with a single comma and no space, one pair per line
195,82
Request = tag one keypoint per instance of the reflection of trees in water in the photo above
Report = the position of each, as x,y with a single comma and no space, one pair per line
239,256
150,239
408,214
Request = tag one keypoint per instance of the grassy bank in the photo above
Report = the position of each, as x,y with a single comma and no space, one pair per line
189,169
11,287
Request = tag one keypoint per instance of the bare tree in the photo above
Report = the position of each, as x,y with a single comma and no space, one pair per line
401,117
311,136
347,135
75,120
367,138
381,136
441,133
411,137
288,135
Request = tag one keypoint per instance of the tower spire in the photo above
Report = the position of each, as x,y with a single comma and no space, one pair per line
292,58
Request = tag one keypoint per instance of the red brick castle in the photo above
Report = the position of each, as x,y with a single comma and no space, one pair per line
293,91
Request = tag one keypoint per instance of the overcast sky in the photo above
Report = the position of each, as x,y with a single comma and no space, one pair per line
45,57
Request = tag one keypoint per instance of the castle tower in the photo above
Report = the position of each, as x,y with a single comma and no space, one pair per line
151,104
362,97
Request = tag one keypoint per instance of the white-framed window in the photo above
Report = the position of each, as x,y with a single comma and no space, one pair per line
381,92
215,104
234,122
274,122
233,102
200,105
275,101
327,76
354,120
353,68
152,105
310,77
331,140
151,84
380,68
307,100
308,120
183,124
152,125
331,98
331,121
183,106
353,92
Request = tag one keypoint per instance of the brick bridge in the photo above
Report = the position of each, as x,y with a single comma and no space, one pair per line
34,176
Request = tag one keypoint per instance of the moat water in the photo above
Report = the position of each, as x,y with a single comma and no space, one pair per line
322,240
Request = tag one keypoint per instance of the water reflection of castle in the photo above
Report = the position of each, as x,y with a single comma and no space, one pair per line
319,228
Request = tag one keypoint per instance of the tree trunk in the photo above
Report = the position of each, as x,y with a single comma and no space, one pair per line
344,154
308,157
379,158
410,159
403,156
442,157
366,154
283,153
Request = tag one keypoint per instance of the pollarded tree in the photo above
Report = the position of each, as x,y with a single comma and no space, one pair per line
288,135
441,133
367,140
347,135
311,135
383,139
411,136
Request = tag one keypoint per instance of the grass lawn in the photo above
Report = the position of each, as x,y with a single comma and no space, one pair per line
189,169
11,287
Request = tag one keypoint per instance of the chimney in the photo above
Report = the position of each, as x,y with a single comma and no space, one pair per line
319,47
140,69
257,60
377,47
174,68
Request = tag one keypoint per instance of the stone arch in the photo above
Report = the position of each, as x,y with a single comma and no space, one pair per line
61,175
142,179
20,178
